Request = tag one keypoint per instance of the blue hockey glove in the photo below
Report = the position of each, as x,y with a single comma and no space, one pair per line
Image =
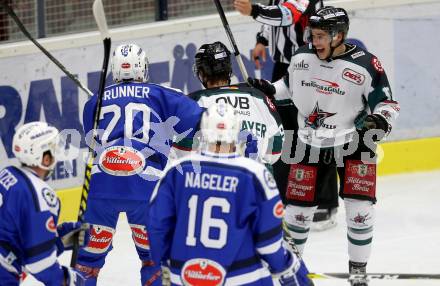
251,150
297,276
66,234
72,277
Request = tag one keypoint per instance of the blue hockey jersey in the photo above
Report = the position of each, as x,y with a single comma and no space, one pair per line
29,211
137,126
214,218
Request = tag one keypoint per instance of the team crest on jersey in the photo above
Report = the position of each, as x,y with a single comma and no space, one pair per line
353,76
202,272
317,117
122,161
50,197
377,64
270,181
278,210
50,225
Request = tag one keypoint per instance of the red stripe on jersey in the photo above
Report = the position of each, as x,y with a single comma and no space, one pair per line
295,12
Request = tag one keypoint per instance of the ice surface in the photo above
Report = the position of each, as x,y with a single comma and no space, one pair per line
406,238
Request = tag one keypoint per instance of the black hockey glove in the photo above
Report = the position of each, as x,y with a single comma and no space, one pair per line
375,121
263,85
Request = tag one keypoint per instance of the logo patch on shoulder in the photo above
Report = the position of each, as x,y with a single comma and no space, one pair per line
278,210
269,179
202,272
357,55
353,76
50,197
377,64
50,225
270,104
122,161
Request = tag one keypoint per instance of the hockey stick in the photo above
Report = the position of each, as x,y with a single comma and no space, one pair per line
289,239
381,276
46,52
231,39
98,13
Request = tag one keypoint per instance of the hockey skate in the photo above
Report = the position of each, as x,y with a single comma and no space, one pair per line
324,219
357,274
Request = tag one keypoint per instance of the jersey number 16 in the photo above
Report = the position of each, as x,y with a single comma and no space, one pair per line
207,222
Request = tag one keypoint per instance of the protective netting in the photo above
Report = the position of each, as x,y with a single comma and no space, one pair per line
45,18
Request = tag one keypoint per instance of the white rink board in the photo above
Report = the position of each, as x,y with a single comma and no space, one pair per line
406,238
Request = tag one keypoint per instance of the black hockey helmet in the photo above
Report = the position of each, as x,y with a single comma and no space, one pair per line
330,19
213,61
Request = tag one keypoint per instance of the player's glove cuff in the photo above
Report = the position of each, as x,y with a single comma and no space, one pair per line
376,122
67,234
72,277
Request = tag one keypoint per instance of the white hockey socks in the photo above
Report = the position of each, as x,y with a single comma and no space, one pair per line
298,220
360,216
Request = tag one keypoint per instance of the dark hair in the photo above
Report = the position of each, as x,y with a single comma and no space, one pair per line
213,63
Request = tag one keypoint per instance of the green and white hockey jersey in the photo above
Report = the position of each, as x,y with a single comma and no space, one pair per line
257,115
334,96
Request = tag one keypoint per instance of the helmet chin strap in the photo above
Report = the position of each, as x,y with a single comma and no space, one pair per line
332,48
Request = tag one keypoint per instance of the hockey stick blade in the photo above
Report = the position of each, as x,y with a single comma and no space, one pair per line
23,29
237,54
380,276
99,14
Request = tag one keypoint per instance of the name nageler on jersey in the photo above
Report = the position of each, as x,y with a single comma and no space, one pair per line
127,91
213,182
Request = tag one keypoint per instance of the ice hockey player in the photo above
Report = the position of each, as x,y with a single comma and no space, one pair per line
282,29
215,216
139,120
29,209
258,116
345,105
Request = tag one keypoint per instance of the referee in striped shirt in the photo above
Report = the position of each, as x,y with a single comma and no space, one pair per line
283,25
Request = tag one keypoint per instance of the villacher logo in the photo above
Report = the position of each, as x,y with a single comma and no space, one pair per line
324,86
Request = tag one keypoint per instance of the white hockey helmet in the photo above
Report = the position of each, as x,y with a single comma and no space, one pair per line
32,140
129,62
220,123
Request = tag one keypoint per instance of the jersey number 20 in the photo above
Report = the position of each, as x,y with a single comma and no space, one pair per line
207,222
129,111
